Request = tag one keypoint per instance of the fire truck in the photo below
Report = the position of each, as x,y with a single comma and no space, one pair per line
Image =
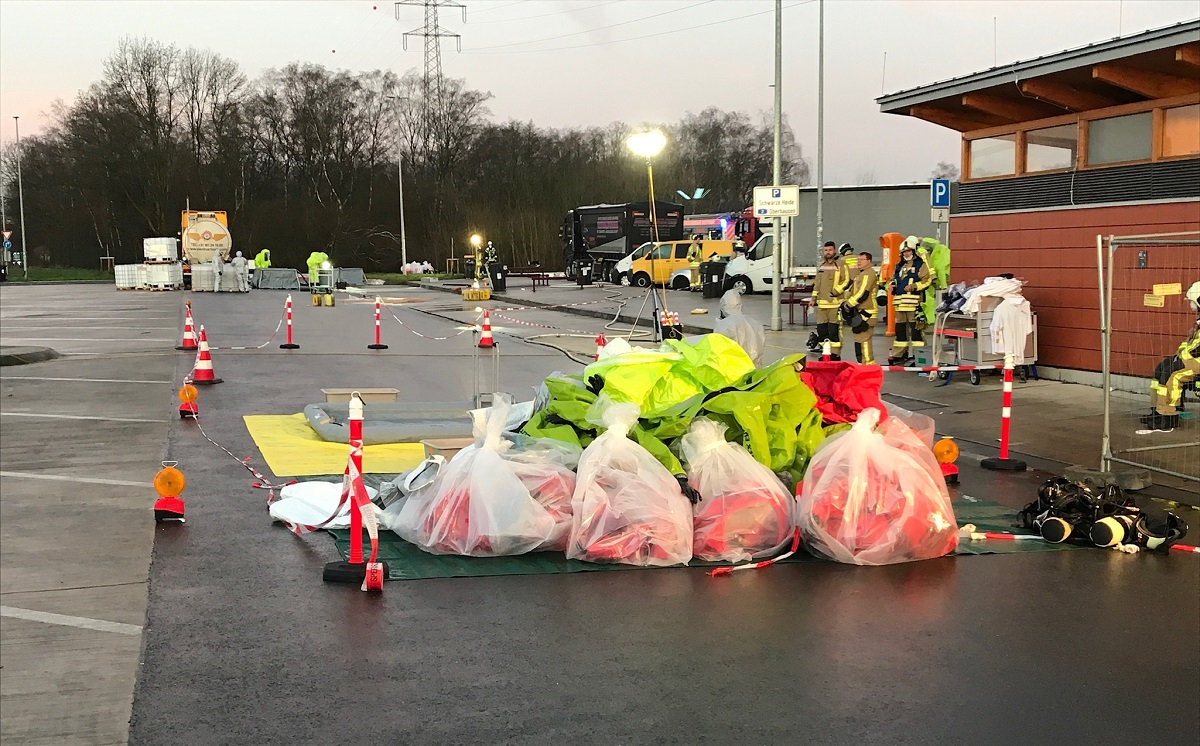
725,226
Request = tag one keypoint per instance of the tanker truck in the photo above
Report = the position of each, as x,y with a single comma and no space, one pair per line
202,235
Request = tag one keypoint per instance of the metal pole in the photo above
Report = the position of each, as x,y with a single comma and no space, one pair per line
1105,352
21,201
777,278
820,123
400,180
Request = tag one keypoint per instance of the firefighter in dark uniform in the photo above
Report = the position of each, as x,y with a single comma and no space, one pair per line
860,310
827,291
909,281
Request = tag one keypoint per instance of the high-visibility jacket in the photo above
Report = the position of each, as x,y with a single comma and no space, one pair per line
829,284
849,265
915,273
1189,349
862,291
693,255
262,260
314,262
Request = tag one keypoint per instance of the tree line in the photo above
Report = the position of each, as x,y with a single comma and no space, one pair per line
304,158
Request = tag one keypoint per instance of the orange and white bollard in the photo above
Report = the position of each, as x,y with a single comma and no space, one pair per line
826,351
600,344
485,336
289,345
379,345
189,330
355,569
1004,463
202,373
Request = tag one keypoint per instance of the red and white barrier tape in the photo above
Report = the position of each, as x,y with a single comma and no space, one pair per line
426,336
264,344
940,368
262,482
510,319
764,563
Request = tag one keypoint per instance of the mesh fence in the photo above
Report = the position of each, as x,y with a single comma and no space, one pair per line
1149,317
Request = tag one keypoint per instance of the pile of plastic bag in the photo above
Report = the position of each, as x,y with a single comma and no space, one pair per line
876,498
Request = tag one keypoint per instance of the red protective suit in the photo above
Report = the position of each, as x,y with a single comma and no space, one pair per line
844,389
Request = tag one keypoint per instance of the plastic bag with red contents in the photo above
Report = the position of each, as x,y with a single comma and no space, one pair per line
547,469
876,498
479,505
744,511
627,508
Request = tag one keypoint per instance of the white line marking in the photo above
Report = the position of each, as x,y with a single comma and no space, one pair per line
71,621
76,327
82,480
77,417
87,339
81,380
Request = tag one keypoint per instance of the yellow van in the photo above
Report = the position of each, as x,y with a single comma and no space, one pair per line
667,263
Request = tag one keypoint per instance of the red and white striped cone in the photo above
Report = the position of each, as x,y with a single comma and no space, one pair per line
600,344
189,330
202,373
1004,463
370,573
289,345
485,335
379,345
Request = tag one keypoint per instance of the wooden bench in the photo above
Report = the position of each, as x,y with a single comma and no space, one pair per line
535,273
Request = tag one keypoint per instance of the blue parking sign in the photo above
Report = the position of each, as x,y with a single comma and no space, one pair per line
775,193
939,193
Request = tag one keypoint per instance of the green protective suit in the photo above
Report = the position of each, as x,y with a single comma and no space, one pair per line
314,262
937,255
262,260
769,411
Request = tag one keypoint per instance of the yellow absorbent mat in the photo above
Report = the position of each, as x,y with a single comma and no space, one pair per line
292,449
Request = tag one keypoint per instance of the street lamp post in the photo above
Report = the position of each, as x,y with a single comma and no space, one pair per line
400,180
649,144
21,202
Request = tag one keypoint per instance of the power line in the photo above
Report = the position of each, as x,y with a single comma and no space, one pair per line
644,36
600,28
498,7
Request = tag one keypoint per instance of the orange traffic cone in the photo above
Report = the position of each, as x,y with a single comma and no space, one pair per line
202,374
189,330
485,337
600,343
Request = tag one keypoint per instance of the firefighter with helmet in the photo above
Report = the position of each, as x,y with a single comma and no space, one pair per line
911,278
860,309
1175,373
827,293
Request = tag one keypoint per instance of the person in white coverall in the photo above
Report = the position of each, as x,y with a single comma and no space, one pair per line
242,268
216,263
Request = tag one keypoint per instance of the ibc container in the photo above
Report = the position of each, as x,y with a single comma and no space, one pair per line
161,249
126,276
143,276
164,274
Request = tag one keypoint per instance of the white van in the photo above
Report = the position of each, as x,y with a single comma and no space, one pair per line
754,270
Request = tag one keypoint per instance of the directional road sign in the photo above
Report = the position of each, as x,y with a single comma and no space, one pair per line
776,201
7,244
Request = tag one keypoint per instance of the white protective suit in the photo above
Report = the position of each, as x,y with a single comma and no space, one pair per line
216,263
242,268
1012,319
739,327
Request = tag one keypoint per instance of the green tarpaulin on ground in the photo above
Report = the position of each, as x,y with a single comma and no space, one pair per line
406,562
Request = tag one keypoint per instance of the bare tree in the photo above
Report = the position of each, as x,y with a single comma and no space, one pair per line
945,170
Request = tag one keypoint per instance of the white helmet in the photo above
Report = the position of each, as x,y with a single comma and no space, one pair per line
1193,294
912,242
239,253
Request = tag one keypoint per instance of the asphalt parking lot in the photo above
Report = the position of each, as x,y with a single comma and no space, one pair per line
241,642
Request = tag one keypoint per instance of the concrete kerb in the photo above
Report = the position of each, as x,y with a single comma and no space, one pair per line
26,355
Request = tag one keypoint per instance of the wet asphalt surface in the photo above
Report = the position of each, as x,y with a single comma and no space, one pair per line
243,643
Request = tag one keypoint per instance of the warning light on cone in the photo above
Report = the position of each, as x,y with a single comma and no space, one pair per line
188,394
945,451
169,484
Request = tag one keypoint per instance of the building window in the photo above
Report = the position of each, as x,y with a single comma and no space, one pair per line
1181,131
993,156
1120,139
1051,148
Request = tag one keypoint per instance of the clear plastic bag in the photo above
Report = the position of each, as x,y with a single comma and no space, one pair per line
627,507
479,504
876,498
744,511
547,469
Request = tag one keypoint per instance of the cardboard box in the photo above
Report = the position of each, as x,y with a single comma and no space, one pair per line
445,447
368,395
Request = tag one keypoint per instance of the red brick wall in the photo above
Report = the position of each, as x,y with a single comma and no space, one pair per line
1055,252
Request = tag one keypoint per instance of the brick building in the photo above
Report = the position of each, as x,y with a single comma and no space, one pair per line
1104,139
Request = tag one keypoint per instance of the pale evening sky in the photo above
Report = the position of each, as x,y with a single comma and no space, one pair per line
574,63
